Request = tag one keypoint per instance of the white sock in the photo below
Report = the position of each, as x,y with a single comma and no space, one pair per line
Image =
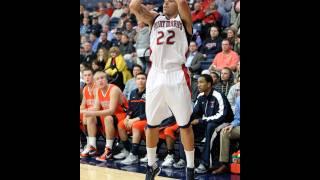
87,138
152,155
92,141
109,143
190,158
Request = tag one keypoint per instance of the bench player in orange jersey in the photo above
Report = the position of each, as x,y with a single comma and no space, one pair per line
110,105
134,123
88,124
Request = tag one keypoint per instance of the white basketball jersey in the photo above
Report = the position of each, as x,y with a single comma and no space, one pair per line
168,43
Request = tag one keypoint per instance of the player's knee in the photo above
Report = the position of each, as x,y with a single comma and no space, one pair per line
108,119
91,120
137,130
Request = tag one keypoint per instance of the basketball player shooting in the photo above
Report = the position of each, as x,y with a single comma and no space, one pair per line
167,89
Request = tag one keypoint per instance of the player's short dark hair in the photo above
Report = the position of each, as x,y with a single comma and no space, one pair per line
142,73
88,69
208,78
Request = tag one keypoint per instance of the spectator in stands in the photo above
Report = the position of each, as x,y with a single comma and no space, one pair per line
104,43
134,123
121,24
197,14
126,2
131,17
85,28
142,40
224,8
106,29
205,3
212,45
226,58
96,28
226,81
84,39
81,50
82,9
94,41
212,17
215,77
88,55
109,9
87,14
116,68
128,30
237,73
211,109
235,14
127,49
118,11
230,132
232,36
131,83
95,66
236,47
234,92
103,18
117,40
102,57
100,5
194,59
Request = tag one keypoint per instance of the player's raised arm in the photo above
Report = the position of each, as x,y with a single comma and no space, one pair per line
185,14
141,12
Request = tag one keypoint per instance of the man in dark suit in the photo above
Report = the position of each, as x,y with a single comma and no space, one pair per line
193,64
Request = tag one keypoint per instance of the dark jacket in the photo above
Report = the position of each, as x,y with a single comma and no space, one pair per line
214,107
137,104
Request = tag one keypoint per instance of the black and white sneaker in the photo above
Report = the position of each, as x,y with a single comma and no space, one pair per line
152,171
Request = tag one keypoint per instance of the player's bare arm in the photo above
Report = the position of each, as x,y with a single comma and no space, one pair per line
114,100
96,106
83,103
185,14
141,12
